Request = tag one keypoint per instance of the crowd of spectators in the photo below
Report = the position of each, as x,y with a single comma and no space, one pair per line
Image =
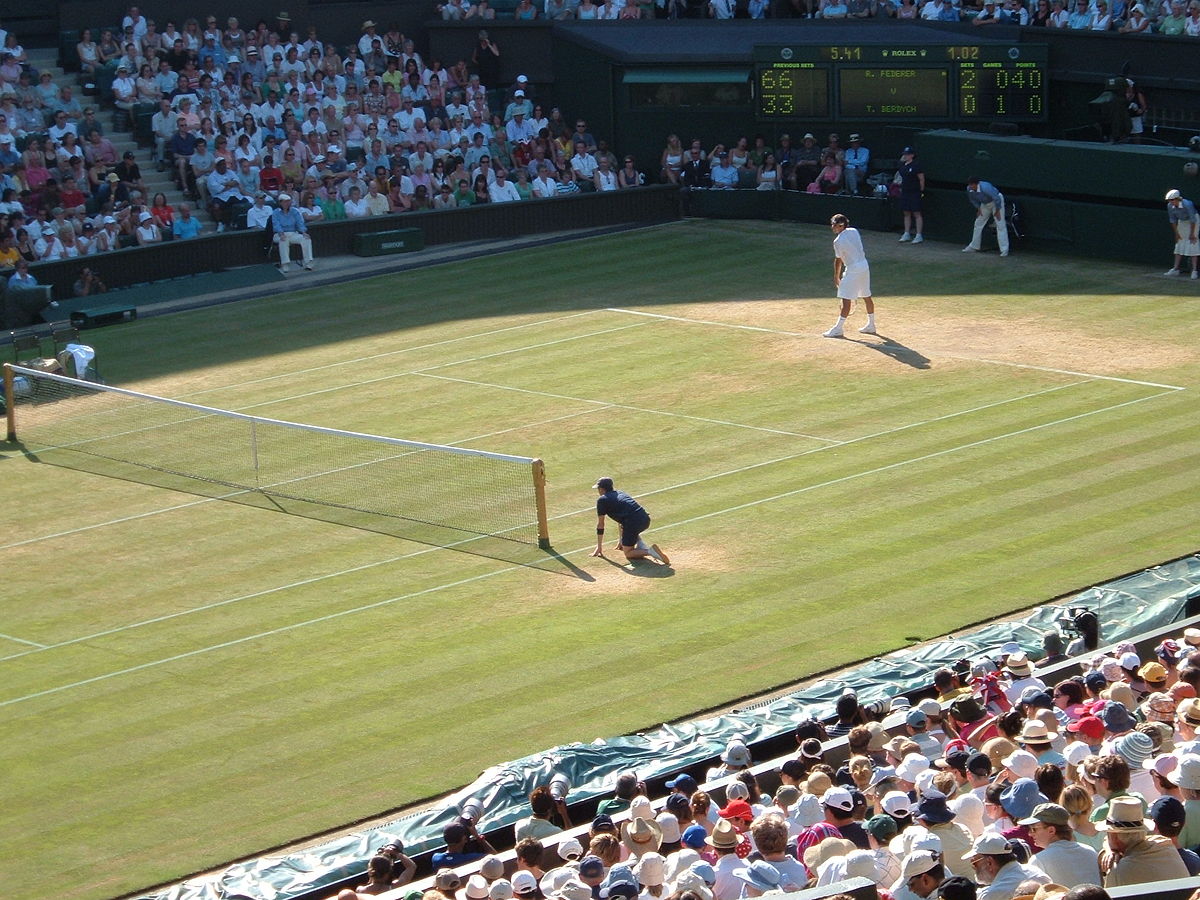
1008,784
745,164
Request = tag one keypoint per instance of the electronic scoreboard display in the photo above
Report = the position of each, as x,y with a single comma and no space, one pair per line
884,82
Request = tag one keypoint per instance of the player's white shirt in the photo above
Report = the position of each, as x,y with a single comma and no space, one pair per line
848,247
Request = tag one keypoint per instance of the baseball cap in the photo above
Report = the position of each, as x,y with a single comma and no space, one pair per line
1048,813
1174,195
916,719
518,93
606,484
591,867
908,151
838,798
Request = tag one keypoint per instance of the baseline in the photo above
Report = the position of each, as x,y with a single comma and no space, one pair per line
978,359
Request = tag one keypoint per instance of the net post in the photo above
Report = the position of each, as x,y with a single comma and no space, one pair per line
539,494
10,406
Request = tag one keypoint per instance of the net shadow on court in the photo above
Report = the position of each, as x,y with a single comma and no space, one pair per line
492,547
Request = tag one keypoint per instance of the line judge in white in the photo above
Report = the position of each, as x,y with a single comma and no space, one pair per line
851,275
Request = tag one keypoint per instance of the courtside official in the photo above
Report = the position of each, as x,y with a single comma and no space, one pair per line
632,519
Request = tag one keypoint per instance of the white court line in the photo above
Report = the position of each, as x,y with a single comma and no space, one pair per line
362,359
916,459
17,640
446,365
641,409
977,359
380,603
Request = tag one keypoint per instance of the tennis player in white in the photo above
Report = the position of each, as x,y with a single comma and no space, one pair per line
851,275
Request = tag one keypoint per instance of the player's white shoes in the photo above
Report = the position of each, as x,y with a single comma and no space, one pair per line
868,329
919,239
660,555
1005,253
1195,274
835,331
1171,272
969,249
904,238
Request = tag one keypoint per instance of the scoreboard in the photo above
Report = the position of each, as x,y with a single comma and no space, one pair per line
864,82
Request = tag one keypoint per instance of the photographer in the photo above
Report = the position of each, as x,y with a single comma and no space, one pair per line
89,283
464,844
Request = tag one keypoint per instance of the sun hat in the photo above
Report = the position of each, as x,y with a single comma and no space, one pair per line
882,828
1076,752
1125,813
932,809
1019,665
911,766
916,719
476,888
838,798
911,840
967,709
1191,636
897,804
524,882
571,848
931,708
737,790
591,867
1047,813
759,874
1165,765
1034,732
1189,711
641,835
1021,763
641,806
705,871
880,774
690,880
650,869
827,850
724,836
988,844
1187,774
571,889
810,748
1020,798
1117,719
1135,748
447,880
620,882
1121,692
736,809
736,753
918,863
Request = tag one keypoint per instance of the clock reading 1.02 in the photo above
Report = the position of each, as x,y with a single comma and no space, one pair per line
792,91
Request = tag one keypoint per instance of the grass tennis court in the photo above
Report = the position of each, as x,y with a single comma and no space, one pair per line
187,680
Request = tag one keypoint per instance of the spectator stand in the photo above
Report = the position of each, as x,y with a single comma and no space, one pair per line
1141,607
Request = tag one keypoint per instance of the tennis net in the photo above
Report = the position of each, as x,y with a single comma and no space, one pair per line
466,490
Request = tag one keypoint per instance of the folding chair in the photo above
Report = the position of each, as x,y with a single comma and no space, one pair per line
62,334
23,343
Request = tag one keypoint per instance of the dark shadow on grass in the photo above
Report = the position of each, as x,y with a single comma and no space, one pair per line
435,536
895,350
641,568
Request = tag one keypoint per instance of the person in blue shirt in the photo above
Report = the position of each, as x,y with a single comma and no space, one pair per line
632,518
185,226
463,845
1185,222
858,158
290,229
988,201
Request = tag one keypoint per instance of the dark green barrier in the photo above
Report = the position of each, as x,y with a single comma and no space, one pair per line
379,243
796,206
218,252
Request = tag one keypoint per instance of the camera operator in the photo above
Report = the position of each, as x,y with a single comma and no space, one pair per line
89,283
464,844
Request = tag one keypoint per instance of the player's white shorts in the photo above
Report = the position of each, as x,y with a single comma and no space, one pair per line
855,283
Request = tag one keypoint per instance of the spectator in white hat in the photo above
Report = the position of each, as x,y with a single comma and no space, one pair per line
1020,672
734,758
997,869
1187,776
921,873
838,804
1134,855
